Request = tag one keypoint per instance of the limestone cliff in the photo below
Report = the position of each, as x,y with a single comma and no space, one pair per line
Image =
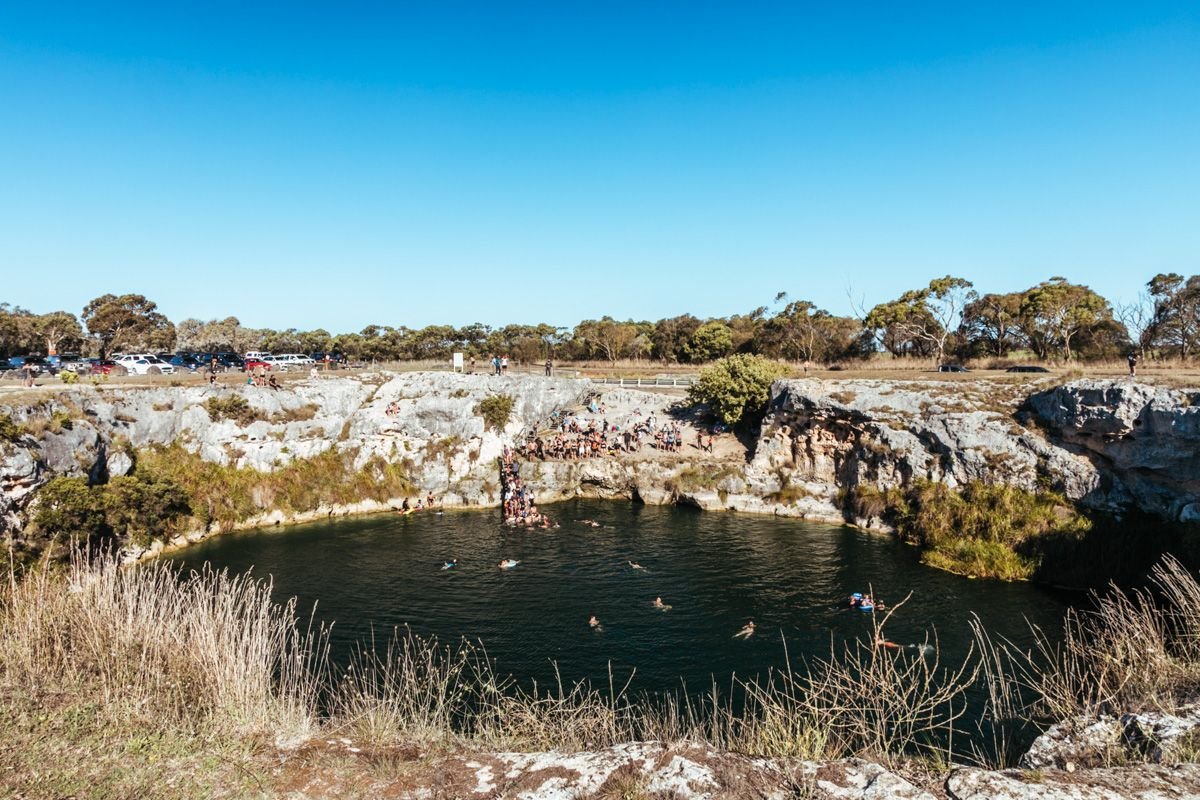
1107,445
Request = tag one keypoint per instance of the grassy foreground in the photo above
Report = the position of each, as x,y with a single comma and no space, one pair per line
142,682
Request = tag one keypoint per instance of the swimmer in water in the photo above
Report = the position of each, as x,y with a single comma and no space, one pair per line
451,564
634,565
594,623
660,605
746,632
590,522
509,563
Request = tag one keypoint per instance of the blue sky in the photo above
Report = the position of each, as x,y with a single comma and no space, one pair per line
332,165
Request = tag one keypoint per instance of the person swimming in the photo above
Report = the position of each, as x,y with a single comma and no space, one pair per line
634,565
594,624
746,632
451,564
590,522
509,563
660,605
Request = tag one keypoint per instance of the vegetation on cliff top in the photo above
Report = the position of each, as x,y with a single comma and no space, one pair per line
737,388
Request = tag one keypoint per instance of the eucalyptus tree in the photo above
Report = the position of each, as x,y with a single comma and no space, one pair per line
128,320
1056,311
921,322
1176,319
991,323
710,341
57,330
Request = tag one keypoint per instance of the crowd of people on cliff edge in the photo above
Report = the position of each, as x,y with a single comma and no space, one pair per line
519,507
574,439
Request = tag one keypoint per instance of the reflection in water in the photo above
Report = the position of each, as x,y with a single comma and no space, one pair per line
716,571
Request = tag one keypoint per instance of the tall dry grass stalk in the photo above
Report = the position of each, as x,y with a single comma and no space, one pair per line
1133,651
203,650
213,654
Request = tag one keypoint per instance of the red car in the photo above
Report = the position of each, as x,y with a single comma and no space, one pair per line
107,367
254,363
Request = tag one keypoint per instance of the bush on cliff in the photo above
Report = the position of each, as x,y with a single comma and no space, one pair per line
131,509
10,431
224,494
495,411
234,407
982,530
737,388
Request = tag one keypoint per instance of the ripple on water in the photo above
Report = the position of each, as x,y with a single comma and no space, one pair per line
716,570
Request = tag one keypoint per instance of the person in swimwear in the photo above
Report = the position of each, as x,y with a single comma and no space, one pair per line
746,632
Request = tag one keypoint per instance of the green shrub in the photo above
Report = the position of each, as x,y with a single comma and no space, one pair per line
68,376
737,388
234,407
224,495
10,431
495,410
983,530
129,509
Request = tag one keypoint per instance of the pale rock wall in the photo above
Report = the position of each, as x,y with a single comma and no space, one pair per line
1107,445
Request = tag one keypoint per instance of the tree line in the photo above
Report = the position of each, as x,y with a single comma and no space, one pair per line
1055,320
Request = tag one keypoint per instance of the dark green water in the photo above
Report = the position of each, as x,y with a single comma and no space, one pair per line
716,570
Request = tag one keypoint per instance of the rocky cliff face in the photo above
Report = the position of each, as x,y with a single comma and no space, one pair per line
432,427
1108,445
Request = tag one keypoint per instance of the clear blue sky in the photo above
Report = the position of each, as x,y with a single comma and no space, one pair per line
333,165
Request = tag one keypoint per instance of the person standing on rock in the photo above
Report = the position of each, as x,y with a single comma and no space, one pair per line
1133,359
549,365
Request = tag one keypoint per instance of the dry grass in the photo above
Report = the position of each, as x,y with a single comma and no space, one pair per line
1133,651
144,670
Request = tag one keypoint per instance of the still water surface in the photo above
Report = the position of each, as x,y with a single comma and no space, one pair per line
715,570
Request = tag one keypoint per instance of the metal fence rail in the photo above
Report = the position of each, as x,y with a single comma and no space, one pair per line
686,381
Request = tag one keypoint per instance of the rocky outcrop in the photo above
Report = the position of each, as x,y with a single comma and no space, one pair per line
1106,445
426,421
1144,439
694,772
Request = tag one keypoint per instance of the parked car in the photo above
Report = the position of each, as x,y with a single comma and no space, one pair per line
952,368
98,366
185,361
145,364
329,360
71,361
231,360
1026,368
257,354
254,363
278,363
296,359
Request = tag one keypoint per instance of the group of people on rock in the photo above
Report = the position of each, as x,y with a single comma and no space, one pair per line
258,378
519,507
500,365
576,440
